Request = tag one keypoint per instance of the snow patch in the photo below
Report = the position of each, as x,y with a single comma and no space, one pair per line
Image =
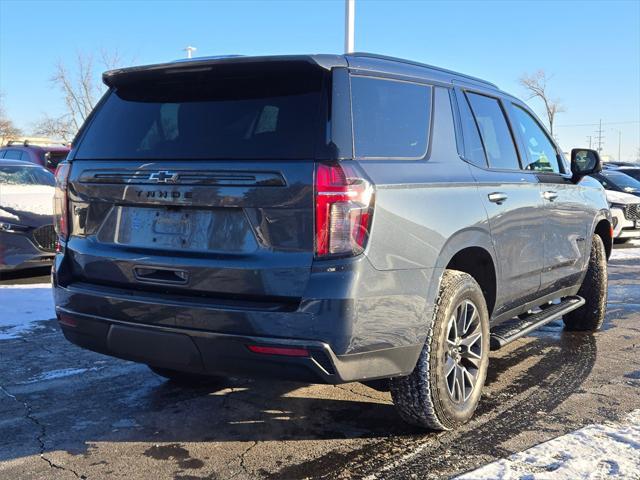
55,374
610,450
625,254
22,307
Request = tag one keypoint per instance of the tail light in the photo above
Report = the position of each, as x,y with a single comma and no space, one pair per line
61,202
344,208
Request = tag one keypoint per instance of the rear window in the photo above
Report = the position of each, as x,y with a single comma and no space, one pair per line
16,175
210,117
390,118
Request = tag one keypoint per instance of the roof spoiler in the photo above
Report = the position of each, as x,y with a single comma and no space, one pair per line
122,76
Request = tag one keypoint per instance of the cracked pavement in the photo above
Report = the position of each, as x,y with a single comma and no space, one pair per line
66,413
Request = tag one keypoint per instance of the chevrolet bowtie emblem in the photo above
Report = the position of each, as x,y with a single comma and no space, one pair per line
164,176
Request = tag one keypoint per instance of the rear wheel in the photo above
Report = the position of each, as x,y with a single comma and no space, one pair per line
185,378
594,291
444,388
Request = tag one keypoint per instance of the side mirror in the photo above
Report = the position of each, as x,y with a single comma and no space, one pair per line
584,162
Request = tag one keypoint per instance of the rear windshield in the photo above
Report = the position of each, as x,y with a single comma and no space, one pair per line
16,175
274,115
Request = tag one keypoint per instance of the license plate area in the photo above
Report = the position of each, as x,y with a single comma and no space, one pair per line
176,228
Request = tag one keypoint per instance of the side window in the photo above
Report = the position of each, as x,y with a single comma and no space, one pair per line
495,133
390,118
473,150
13,154
543,156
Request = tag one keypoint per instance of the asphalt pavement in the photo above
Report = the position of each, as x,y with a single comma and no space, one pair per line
67,413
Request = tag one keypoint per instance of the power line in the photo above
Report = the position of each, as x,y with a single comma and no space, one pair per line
598,123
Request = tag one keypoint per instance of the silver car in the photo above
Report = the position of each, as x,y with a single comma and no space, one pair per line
27,236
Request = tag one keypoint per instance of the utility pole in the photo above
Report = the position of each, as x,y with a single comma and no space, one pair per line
600,137
189,49
589,137
619,142
349,25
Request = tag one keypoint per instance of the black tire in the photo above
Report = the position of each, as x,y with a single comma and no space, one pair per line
185,378
621,240
590,316
426,397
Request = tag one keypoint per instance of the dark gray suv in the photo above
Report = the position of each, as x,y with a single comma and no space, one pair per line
324,218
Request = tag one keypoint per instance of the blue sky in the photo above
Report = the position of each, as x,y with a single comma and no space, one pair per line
592,48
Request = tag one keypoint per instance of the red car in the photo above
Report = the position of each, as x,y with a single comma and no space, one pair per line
47,155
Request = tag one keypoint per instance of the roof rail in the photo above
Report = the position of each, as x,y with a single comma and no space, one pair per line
40,143
418,64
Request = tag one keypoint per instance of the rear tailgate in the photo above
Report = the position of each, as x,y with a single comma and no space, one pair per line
199,181
222,228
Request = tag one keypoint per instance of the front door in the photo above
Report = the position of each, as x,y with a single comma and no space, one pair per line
568,219
511,197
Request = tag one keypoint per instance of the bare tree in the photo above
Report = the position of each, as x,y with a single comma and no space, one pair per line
58,128
8,130
81,87
536,85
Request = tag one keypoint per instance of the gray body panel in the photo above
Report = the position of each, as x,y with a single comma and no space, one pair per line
263,280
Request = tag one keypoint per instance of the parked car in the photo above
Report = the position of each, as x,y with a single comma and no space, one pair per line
633,172
625,210
47,155
27,236
618,181
324,218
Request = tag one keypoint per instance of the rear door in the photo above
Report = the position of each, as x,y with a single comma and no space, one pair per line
511,198
568,215
201,184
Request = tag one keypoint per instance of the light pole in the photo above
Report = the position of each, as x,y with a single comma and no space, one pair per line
189,49
349,25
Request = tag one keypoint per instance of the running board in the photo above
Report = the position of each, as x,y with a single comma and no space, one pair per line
513,329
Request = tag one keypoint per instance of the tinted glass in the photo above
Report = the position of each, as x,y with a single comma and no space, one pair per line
612,180
635,173
496,136
16,175
13,155
473,150
542,154
390,118
242,117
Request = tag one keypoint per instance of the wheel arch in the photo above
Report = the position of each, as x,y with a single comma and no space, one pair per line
472,252
602,228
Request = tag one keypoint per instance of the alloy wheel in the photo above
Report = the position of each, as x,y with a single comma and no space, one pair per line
463,352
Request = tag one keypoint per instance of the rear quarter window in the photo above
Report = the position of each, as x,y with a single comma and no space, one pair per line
390,118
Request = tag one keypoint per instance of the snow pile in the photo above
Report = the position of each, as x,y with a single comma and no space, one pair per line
22,306
598,451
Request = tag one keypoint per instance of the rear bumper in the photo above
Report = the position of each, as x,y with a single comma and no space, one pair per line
359,323
200,351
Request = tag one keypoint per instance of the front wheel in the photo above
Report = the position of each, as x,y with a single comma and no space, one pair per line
444,388
594,291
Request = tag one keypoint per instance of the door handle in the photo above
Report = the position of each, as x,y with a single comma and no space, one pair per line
498,197
550,195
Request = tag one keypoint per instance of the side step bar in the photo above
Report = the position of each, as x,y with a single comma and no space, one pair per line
513,329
